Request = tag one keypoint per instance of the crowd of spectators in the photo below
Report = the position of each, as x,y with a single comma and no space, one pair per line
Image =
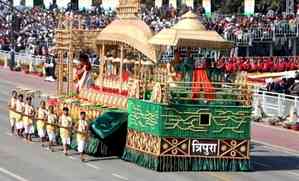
32,29
258,64
283,86
36,33
258,26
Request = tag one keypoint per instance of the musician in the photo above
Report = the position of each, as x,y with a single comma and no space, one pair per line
20,108
51,120
65,134
41,118
82,134
83,76
27,119
12,107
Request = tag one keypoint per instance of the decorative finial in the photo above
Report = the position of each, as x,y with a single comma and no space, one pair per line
128,8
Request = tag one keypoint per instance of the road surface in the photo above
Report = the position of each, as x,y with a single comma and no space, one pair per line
20,161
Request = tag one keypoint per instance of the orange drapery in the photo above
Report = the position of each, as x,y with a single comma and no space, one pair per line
201,82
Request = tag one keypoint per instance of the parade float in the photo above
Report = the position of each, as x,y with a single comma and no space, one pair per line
74,90
194,120
178,110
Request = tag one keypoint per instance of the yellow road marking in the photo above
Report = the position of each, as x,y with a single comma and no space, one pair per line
220,176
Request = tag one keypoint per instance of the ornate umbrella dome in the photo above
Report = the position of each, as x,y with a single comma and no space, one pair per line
189,22
129,29
189,32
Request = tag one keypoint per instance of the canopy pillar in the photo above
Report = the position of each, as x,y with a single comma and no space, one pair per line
70,86
102,65
121,66
60,73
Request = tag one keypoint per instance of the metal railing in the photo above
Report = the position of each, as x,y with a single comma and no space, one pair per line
24,58
258,34
216,93
275,104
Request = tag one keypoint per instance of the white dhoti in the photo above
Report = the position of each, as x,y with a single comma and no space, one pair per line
81,146
41,133
52,137
19,125
66,141
29,129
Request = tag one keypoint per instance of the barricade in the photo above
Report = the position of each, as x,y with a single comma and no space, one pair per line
275,104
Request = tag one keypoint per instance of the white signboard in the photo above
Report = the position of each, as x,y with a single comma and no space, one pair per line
158,3
206,4
249,7
85,4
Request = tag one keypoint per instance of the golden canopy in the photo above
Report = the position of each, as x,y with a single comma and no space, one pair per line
189,32
132,32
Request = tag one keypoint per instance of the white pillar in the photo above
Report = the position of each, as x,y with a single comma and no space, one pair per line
206,4
29,3
173,3
189,3
249,7
5,62
158,3
62,3
16,2
47,3
113,4
85,4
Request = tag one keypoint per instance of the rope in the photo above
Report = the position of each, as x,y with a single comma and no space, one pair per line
50,124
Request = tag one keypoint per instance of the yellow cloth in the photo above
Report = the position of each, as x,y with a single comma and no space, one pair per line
28,111
27,120
65,121
52,120
81,127
12,114
41,114
19,108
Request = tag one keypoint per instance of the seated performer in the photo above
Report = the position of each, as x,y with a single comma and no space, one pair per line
12,113
82,134
65,134
28,119
52,120
41,118
83,76
201,81
292,119
20,108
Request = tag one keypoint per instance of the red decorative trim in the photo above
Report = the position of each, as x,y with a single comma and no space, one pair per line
109,91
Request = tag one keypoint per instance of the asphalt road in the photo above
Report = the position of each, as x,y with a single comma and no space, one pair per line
20,161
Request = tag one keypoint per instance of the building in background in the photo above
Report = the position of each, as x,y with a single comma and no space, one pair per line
249,5
76,4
